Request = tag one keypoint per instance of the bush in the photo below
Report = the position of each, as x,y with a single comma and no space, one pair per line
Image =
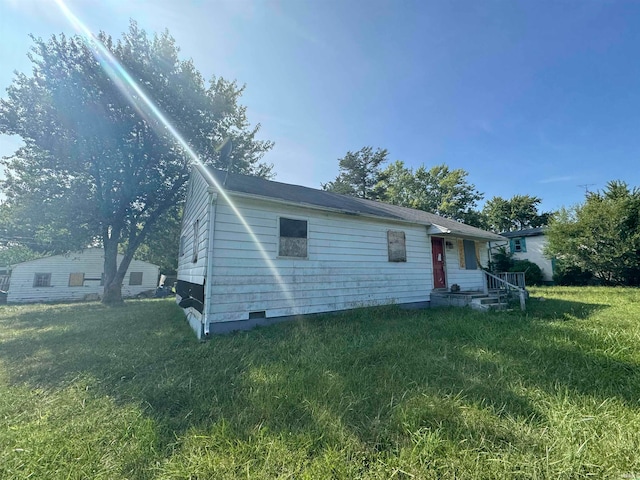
572,276
502,260
532,272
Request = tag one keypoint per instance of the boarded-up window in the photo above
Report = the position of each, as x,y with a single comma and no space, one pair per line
76,279
397,246
135,278
183,241
42,280
196,234
470,260
293,238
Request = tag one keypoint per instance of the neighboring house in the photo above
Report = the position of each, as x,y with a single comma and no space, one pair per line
74,276
529,245
264,250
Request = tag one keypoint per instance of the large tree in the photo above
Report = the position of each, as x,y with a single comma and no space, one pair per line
99,165
359,173
517,213
439,190
601,236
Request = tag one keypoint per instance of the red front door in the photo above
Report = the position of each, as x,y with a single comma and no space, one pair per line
437,254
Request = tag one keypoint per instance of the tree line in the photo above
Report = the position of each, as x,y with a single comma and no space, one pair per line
594,242
447,192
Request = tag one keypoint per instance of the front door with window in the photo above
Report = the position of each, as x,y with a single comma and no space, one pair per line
437,254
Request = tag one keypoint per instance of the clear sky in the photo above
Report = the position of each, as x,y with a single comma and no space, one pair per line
530,97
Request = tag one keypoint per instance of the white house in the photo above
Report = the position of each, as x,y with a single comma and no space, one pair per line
529,244
74,276
257,250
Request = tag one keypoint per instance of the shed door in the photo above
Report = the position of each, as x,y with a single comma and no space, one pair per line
437,254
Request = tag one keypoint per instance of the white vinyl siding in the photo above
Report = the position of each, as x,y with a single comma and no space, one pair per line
193,260
62,267
347,265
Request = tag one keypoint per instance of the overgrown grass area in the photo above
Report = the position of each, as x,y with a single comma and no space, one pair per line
92,392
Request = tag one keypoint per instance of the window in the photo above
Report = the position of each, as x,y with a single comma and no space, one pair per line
42,280
183,240
518,245
196,233
76,279
397,247
470,260
135,278
293,238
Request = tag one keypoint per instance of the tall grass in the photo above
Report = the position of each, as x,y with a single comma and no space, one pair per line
92,392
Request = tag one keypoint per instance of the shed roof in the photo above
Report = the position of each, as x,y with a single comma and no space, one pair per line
320,199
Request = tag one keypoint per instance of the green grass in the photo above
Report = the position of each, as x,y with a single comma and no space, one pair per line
92,392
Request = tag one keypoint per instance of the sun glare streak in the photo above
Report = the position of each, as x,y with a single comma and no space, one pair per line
148,109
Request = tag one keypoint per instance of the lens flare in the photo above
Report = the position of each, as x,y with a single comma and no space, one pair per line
156,118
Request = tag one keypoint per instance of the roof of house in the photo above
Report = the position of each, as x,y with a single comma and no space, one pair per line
305,196
528,232
84,253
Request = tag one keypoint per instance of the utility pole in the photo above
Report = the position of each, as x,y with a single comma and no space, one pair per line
586,187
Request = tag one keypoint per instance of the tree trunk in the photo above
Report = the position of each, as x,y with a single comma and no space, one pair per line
112,294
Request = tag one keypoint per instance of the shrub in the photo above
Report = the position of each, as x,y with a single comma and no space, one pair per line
532,272
502,260
572,275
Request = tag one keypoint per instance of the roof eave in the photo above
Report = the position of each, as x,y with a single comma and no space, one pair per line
486,236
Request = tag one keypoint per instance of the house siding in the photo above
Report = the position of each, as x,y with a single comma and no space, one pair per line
535,254
347,264
467,279
89,261
196,209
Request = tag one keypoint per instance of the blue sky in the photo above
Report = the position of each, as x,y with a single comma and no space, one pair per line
530,97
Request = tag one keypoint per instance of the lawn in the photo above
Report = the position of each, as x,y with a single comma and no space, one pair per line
92,392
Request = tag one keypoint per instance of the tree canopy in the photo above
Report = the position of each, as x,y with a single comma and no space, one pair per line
359,173
517,213
601,236
97,166
439,190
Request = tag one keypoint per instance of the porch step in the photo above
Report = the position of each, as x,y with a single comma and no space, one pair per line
476,300
487,302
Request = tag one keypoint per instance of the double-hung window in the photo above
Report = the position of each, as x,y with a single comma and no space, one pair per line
518,245
42,280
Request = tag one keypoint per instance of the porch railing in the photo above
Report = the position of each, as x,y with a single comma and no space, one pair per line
514,278
507,283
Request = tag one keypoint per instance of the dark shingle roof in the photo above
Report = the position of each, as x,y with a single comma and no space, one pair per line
298,195
528,232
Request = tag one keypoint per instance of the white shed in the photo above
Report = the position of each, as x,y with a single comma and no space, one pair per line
74,276
256,251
